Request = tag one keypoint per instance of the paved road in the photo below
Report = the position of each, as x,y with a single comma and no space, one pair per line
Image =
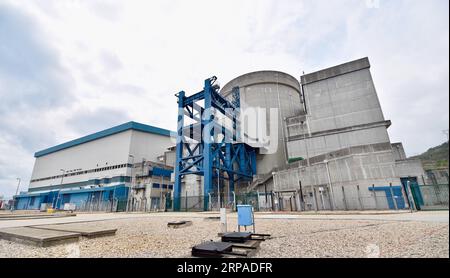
427,216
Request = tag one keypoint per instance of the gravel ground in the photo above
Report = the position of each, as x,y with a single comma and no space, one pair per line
150,237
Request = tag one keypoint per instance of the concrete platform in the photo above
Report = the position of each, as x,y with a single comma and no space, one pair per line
13,216
38,237
89,229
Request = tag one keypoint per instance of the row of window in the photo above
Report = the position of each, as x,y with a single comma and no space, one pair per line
84,172
164,186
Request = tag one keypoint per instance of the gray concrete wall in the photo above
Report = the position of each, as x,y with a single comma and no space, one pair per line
347,173
343,110
376,168
170,158
341,101
410,168
322,144
348,67
399,151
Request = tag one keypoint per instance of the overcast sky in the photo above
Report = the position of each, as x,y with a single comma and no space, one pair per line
70,68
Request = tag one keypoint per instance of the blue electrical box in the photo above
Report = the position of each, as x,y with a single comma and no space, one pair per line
245,215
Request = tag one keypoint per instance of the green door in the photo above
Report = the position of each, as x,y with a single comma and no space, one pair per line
168,202
415,190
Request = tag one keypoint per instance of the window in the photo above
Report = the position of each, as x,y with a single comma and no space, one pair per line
32,201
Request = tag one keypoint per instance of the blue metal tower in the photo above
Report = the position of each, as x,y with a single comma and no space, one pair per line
208,147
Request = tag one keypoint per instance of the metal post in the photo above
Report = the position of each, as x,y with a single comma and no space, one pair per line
331,186
160,191
343,198
290,202
131,183
359,198
271,201
209,202
375,196
302,201
321,198
257,200
185,201
113,197
234,201
315,199
423,180
60,186
253,220
404,195
219,205
394,198
410,197
265,193
17,192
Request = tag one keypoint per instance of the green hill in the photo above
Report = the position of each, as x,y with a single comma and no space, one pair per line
436,157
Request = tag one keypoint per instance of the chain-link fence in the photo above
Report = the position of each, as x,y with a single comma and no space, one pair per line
312,198
101,206
213,201
190,203
431,197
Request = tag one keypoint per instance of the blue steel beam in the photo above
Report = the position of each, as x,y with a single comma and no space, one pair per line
206,138
204,157
179,152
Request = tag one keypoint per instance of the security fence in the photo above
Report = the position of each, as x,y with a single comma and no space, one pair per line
390,197
115,205
312,198
213,202
190,203
431,197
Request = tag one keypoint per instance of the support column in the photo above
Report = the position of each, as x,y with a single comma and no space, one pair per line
179,153
207,118
229,173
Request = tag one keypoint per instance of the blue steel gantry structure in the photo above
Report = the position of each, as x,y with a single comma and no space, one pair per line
206,146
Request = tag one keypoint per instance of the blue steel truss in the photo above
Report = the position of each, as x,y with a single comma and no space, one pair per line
206,148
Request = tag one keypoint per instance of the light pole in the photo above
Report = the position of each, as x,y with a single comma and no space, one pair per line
331,186
131,181
17,192
60,185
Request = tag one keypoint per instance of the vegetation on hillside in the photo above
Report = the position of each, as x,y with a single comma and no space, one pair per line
436,157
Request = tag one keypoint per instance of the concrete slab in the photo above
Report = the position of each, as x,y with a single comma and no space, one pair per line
179,224
34,216
38,237
89,229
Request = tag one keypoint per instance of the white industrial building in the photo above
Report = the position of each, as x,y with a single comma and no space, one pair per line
100,166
